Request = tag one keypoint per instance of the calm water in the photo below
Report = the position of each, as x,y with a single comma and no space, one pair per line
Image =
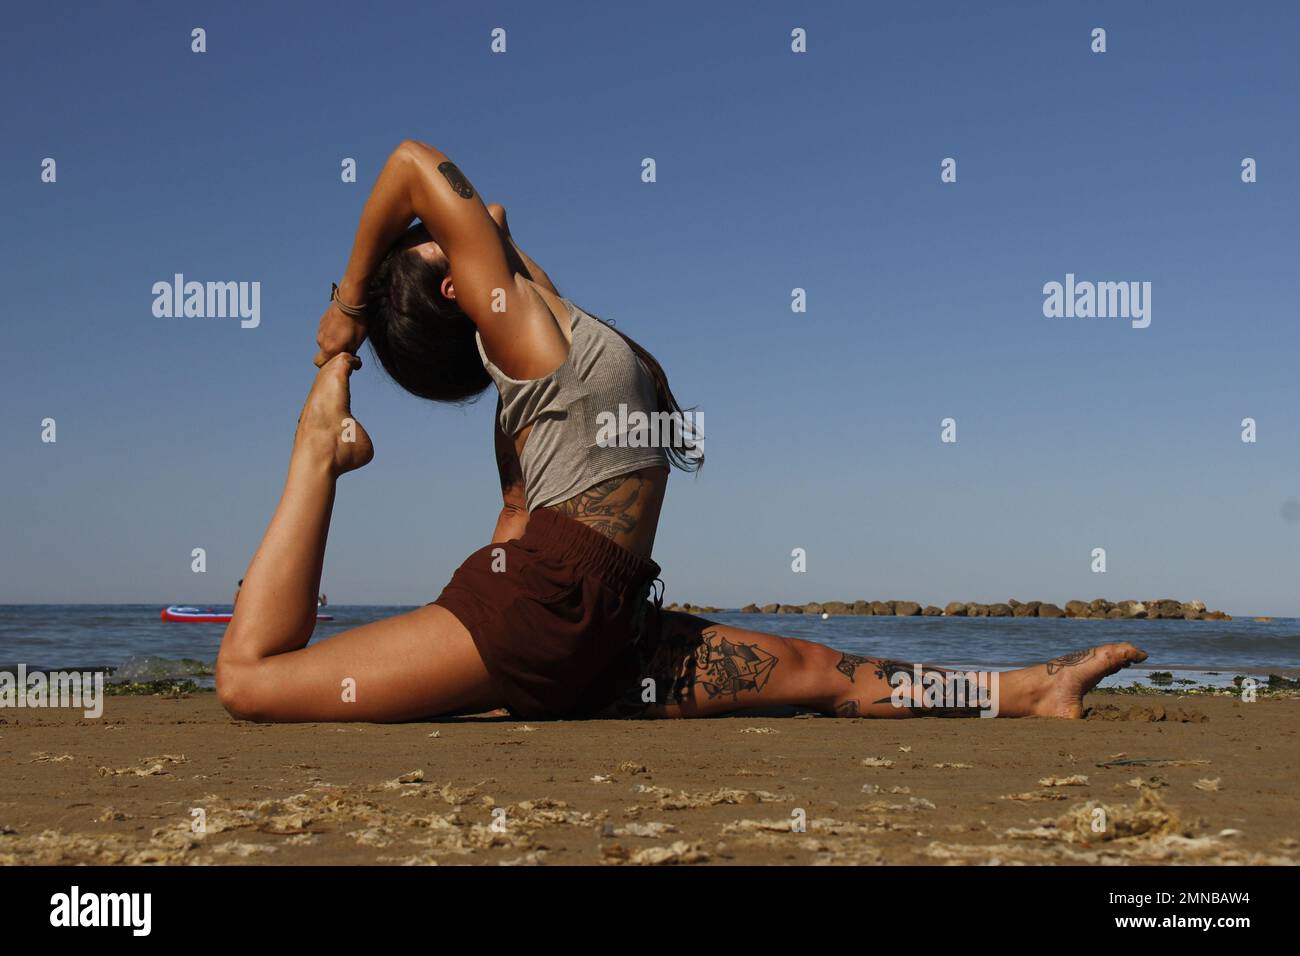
133,641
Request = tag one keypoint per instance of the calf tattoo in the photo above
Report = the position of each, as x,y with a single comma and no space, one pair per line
849,664
885,670
456,179
1057,664
909,693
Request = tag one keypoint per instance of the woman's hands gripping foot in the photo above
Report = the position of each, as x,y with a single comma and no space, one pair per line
327,432
1062,681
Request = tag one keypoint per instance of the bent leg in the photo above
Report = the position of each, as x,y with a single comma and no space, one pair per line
419,664
702,669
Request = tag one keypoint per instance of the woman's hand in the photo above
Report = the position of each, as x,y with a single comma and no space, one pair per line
338,333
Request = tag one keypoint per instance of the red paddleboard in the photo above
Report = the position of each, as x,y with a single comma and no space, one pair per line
181,614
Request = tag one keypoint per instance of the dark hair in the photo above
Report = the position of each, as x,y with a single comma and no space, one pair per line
425,341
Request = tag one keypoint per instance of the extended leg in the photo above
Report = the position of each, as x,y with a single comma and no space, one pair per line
702,669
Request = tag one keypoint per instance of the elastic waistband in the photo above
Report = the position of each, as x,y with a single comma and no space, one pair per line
573,541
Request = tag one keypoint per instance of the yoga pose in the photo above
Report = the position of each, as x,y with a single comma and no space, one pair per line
553,618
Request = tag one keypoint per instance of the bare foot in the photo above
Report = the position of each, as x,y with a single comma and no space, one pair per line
326,427
1064,680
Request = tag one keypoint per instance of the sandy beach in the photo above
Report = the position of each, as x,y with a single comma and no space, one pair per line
1176,779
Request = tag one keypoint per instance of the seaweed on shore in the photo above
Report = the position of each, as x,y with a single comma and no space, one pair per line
1276,688
175,689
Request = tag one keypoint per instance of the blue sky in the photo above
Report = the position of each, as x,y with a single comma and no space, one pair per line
775,171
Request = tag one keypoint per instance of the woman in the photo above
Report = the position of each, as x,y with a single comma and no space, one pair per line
553,617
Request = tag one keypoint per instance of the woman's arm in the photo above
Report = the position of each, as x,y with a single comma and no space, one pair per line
525,262
419,181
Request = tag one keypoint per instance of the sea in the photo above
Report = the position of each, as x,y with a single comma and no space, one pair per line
132,643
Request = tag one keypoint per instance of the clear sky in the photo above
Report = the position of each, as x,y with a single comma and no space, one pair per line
775,171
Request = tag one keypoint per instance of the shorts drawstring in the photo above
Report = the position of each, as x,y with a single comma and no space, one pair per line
638,622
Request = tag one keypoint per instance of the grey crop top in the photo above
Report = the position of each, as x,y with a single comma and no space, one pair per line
575,408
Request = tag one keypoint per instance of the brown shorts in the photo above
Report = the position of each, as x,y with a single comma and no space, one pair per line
558,616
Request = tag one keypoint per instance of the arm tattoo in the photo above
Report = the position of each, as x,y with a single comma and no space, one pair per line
848,709
607,507
457,180
1057,664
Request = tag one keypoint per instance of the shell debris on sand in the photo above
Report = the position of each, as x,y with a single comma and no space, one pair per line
822,825
1147,831
1148,817
913,804
418,788
243,850
414,776
1075,780
830,841
42,756
682,800
157,766
679,852
651,830
300,819
1035,795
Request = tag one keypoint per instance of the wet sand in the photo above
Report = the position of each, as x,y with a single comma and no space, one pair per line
1191,779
